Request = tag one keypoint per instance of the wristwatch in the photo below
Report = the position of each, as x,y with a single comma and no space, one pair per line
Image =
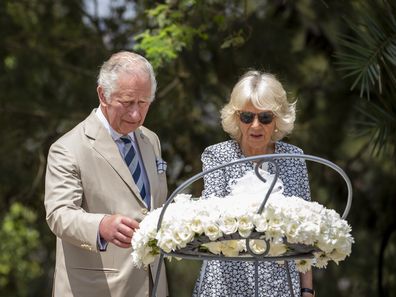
307,290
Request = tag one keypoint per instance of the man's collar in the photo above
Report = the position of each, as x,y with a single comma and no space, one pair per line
113,133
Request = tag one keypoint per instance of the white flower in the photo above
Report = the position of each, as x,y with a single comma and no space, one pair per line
307,232
214,247
182,234
166,241
260,221
182,198
292,231
196,224
337,256
148,256
245,225
303,265
231,248
274,229
258,246
277,249
212,231
228,224
321,260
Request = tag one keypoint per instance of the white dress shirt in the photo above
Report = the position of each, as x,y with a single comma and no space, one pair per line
102,244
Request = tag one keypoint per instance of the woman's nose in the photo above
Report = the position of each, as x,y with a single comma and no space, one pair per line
255,122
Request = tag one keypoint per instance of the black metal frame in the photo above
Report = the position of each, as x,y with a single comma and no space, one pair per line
299,251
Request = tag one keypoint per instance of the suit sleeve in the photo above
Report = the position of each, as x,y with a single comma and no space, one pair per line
63,199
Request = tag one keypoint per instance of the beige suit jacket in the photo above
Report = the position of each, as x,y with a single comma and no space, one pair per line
87,178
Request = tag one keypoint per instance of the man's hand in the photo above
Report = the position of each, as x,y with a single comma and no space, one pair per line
118,230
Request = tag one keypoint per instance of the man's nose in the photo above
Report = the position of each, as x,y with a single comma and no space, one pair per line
134,112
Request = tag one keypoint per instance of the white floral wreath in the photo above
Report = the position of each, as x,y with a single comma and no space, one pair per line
224,223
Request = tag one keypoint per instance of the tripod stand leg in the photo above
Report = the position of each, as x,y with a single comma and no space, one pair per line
157,276
256,278
289,278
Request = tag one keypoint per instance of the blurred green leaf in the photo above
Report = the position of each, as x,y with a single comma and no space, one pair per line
19,244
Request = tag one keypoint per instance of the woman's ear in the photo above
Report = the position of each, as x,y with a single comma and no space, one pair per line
101,96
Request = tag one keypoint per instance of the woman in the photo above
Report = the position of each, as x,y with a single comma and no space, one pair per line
257,117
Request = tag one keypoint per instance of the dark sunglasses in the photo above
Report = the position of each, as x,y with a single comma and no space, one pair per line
247,117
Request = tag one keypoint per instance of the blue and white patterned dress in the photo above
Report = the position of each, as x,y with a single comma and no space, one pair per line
236,279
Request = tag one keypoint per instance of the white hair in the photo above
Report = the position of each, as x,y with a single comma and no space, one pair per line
265,92
124,62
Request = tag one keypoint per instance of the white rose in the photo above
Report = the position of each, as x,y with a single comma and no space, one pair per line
166,241
212,231
258,246
260,221
245,225
230,248
344,245
182,235
196,225
277,249
292,231
148,257
228,224
337,256
274,229
214,247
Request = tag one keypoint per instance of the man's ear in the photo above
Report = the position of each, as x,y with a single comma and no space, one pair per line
101,96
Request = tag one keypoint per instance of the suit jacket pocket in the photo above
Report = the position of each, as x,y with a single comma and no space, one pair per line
76,257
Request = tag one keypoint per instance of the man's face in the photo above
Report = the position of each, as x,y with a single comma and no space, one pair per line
128,104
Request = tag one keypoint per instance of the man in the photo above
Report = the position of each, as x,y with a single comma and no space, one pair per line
102,178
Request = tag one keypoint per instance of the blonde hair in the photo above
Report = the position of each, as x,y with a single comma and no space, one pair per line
265,92
124,62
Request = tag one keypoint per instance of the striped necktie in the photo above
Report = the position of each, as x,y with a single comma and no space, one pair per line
132,160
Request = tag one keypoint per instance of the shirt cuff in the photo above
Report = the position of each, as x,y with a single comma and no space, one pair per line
102,244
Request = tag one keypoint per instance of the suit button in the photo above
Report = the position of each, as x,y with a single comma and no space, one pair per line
86,246
144,211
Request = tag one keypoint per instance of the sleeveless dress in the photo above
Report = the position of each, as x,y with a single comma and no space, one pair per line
233,278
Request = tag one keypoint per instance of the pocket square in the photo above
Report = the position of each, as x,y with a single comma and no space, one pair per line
161,165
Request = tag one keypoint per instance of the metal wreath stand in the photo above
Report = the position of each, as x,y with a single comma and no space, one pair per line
296,251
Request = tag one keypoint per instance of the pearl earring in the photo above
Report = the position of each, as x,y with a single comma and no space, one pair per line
276,130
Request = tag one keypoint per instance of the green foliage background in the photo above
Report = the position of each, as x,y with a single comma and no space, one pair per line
337,58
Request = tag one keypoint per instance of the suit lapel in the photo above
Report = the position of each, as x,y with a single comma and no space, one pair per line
107,148
148,158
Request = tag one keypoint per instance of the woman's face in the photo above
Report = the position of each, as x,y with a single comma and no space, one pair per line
256,136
